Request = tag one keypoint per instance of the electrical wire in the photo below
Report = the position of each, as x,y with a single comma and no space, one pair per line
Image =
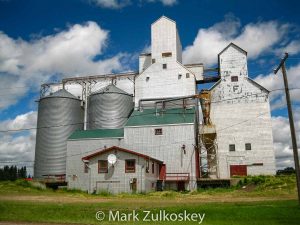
71,124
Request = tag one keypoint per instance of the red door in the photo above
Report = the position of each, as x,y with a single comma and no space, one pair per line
162,171
238,170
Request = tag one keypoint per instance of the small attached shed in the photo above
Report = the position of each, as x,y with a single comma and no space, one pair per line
132,171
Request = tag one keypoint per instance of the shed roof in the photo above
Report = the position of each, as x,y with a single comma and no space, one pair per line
88,157
169,116
98,133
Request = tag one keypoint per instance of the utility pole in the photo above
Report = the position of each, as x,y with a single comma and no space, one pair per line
291,120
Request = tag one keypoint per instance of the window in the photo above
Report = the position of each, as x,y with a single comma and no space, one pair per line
234,79
153,61
166,54
102,166
153,167
179,76
147,79
86,167
248,146
130,166
164,66
187,75
158,131
232,147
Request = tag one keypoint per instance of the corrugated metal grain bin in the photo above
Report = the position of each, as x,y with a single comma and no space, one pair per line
59,115
109,108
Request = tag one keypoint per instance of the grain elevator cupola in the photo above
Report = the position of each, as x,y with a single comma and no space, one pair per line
165,41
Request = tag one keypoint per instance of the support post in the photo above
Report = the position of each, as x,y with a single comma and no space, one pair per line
291,120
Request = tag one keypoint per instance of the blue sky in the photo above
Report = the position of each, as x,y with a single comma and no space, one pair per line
100,36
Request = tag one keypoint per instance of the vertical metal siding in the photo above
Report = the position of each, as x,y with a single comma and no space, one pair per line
59,115
109,108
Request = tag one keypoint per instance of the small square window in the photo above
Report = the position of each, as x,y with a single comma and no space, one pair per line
102,166
153,61
158,131
187,75
86,167
248,146
232,147
179,76
164,66
234,79
130,166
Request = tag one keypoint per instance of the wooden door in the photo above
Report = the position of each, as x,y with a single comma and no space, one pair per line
238,170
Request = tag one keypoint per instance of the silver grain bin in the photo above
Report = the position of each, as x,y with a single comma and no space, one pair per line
59,115
109,108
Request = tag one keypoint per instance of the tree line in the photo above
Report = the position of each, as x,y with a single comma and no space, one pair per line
12,173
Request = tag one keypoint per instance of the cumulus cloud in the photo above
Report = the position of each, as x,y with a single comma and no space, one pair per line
17,148
69,52
280,124
275,84
282,141
256,38
118,4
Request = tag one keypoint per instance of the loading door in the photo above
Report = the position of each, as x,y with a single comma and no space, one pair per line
238,170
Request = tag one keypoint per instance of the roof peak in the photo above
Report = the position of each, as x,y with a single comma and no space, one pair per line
235,46
163,17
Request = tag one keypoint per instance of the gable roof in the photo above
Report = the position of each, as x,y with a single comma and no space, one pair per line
98,133
163,17
234,45
249,79
170,116
88,157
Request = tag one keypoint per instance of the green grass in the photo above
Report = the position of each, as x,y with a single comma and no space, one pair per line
280,212
252,201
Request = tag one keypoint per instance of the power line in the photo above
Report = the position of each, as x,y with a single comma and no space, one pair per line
71,124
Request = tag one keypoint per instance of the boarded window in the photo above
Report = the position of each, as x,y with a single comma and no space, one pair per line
102,166
164,66
158,131
248,146
166,54
234,79
86,167
232,147
153,61
130,166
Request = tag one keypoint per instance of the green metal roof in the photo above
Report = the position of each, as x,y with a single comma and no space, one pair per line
169,116
99,133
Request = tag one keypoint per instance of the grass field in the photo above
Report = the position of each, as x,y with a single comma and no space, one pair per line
256,200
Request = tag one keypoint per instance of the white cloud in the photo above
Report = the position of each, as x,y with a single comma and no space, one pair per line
282,141
256,38
17,148
275,82
70,52
118,4
165,2
292,48
112,4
